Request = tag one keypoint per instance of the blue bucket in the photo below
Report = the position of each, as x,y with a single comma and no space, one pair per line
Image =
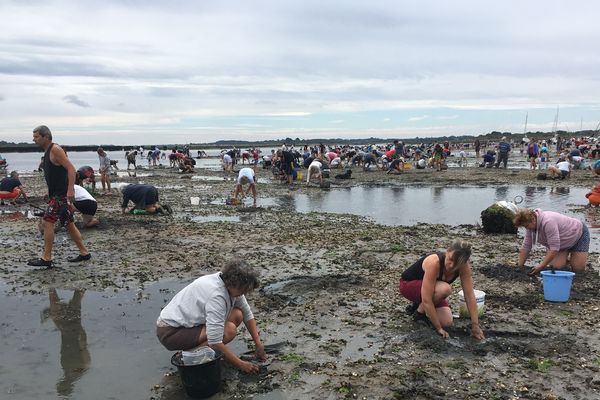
557,285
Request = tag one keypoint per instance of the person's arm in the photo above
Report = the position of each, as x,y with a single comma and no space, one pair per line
253,330
523,256
550,254
431,268
23,192
125,202
61,159
466,281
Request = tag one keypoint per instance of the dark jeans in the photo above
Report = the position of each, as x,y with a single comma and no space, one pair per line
502,158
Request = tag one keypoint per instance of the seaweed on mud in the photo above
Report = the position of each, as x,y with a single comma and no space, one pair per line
527,301
505,272
299,289
585,285
419,390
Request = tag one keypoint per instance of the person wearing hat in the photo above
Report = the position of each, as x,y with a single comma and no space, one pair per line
503,151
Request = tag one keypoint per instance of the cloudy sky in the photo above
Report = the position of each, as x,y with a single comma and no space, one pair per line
144,72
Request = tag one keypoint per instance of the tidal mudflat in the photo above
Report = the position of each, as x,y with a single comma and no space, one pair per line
329,272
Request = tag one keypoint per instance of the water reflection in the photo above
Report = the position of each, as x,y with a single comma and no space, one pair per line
501,193
437,194
74,355
560,190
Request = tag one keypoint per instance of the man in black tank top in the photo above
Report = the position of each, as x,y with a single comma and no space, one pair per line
60,177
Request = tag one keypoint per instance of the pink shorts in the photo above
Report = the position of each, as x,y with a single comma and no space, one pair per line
412,291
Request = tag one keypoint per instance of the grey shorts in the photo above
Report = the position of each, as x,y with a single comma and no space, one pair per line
179,338
583,244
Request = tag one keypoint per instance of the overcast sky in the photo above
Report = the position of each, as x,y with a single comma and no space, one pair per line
144,72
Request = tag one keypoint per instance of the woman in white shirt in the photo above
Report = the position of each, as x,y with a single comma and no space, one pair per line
208,312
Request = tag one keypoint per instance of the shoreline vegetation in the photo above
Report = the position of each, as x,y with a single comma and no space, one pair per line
23,147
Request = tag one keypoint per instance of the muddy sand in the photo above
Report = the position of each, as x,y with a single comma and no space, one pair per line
330,293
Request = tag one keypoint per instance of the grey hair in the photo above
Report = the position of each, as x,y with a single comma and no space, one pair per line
43,131
461,253
236,273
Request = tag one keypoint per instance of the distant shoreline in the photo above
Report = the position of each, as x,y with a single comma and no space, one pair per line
6,147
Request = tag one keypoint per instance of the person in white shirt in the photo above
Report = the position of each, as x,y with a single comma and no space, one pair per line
208,312
104,170
314,171
85,203
561,170
246,176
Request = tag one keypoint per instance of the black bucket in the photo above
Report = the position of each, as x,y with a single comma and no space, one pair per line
200,381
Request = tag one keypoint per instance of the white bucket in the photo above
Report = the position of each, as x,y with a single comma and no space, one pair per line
195,201
479,299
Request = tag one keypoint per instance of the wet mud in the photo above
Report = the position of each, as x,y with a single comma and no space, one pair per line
329,292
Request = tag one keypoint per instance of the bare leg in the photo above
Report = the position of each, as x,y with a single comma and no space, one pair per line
48,240
76,236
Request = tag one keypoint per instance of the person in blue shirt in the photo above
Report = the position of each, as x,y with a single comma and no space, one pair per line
503,151
596,167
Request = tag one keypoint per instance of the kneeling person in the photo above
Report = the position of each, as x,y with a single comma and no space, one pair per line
427,284
85,203
144,197
208,312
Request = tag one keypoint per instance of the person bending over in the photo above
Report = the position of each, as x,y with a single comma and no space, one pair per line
208,312
144,197
427,284
566,239
11,188
246,176
85,203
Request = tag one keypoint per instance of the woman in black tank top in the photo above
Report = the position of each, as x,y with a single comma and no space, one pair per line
427,284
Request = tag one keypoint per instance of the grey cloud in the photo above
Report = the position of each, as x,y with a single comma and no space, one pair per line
1,98
72,99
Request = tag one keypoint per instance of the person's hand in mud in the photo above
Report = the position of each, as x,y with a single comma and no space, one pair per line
443,333
476,332
534,271
260,353
248,367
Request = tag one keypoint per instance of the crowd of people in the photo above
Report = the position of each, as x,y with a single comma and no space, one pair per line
208,312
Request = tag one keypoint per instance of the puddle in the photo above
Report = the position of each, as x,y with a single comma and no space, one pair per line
209,178
134,173
439,205
216,218
69,344
176,187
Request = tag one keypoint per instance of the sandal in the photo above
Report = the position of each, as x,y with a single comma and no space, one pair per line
80,258
39,262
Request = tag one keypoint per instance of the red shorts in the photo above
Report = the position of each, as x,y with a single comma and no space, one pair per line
10,195
59,209
412,291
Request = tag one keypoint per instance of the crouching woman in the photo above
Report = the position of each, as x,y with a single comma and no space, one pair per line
427,284
208,312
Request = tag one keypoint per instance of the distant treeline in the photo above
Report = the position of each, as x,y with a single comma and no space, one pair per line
7,147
